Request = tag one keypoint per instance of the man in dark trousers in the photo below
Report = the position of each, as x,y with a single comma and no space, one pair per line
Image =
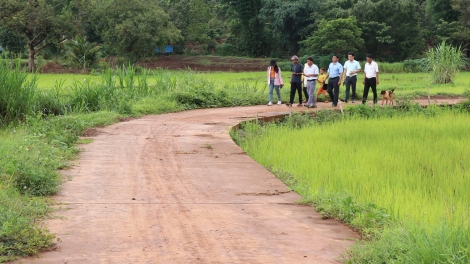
296,81
335,71
371,78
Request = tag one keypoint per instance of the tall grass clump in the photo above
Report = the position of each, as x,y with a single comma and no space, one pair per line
399,177
445,61
17,92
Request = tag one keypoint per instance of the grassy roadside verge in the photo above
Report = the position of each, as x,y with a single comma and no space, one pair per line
39,129
398,177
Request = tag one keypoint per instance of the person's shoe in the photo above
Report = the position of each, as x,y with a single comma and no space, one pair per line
353,101
270,103
279,102
313,106
299,105
289,104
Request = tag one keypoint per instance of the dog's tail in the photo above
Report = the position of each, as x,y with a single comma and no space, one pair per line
393,90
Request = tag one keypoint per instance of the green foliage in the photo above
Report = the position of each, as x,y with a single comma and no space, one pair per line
444,62
83,53
225,49
288,22
248,27
199,16
12,41
337,36
133,28
20,234
41,22
391,28
417,65
17,92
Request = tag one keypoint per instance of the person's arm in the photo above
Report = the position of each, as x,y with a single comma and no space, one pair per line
269,75
341,75
280,78
315,72
377,73
364,81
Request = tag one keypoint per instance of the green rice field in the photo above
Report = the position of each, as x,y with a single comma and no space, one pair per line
413,168
406,83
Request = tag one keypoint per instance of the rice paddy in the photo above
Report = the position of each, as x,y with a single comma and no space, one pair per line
414,167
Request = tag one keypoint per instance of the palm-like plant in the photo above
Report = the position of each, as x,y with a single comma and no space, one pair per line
83,53
445,62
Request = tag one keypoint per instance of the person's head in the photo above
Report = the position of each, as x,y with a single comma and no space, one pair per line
369,58
295,59
322,70
273,63
309,61
351,56
334,58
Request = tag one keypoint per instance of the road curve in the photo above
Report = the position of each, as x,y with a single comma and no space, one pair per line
174,188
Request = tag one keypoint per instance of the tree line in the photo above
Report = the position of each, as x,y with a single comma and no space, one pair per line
391,30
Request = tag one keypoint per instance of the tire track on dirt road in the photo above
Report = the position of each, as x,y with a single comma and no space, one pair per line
173,188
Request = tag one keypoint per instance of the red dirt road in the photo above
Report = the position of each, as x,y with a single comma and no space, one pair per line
175,188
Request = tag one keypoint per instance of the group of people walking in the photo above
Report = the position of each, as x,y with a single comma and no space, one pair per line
328,81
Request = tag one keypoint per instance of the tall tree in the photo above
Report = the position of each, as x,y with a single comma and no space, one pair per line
338,36
288,21
133,28
396,28
249,30
199,16
42,22
441,10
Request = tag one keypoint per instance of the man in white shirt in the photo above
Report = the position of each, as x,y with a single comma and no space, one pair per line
351,68
371,78
311,75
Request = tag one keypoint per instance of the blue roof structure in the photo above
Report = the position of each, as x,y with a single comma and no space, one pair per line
168,49
1,49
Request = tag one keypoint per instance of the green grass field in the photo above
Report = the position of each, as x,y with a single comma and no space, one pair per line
42,116
408,84
414,166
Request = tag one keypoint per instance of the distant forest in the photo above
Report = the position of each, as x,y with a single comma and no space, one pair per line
391,30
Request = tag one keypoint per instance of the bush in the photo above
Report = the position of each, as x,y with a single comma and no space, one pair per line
225,49
19,233
444,62
418,65
16,92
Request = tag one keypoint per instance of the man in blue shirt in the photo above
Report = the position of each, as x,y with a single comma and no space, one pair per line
296,81
335,71
351,68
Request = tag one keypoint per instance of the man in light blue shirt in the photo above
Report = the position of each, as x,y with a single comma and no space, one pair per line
351,68
335,72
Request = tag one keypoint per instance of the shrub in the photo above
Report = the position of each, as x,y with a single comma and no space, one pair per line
225,49
16,92
418,65
444,62
19,233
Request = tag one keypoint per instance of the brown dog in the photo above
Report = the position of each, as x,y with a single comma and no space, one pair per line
387,95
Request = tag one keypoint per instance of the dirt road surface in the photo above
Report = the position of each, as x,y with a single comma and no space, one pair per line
175,188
